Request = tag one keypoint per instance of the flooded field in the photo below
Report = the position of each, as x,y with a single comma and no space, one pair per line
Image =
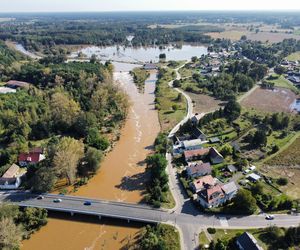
142,54
121,178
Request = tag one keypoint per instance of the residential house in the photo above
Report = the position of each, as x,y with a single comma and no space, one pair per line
197,133
198,154
215,156
216,195
11,178
180,146
246,241
198,169
196,118
192,144
17,84
31,158
214,140
253,177
211,197
231,168
202,183
10,183
230,190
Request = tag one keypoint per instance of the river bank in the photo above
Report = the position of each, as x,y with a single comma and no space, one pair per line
120,178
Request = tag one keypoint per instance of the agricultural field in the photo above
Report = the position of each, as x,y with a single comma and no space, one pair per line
286,164
204,103
276,100
266,33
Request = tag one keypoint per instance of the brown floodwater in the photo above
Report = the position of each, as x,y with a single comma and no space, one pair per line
120,178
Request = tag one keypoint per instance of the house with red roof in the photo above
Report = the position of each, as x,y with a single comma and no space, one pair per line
197,154
216,195
202,183
33,157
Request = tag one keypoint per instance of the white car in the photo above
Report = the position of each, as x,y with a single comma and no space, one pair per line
246,171
252,167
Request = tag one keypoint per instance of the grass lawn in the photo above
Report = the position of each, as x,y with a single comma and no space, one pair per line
294,56
171,237
170,201
171,109
229,234
185,72
284,83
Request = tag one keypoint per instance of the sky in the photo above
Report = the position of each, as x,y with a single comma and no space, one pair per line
148,5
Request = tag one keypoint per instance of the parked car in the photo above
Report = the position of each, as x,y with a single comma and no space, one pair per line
57,200
40,197
252,167
246,171
269,217
87,203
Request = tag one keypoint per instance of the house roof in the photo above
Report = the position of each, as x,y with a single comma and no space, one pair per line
196,152
254,176
248,242
231,168
229,187
204,181
212,194
197,132
20,84
213,153
32,157
192,143
11,172
214,139
199,168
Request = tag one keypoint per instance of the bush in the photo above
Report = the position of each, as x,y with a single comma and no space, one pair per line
211,230
282,181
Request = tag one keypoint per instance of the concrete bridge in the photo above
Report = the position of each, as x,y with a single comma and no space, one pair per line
187,220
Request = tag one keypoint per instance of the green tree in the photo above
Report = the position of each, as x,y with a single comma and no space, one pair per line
226,150
260,138
232,110
44,180
244,202
68,154
94,139
10,234
33,219
92,158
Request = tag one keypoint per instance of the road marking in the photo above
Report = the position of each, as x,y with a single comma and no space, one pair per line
223,222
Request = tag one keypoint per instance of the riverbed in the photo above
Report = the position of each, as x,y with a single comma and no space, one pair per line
121,177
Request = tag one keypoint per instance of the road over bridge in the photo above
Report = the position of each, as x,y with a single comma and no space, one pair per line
187,221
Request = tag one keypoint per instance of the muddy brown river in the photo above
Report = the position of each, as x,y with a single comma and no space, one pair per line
120,178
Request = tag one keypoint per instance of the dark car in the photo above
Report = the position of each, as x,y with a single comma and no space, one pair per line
57,200
269,217
87,203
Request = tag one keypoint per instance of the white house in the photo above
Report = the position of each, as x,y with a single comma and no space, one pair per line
10,183
11,178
